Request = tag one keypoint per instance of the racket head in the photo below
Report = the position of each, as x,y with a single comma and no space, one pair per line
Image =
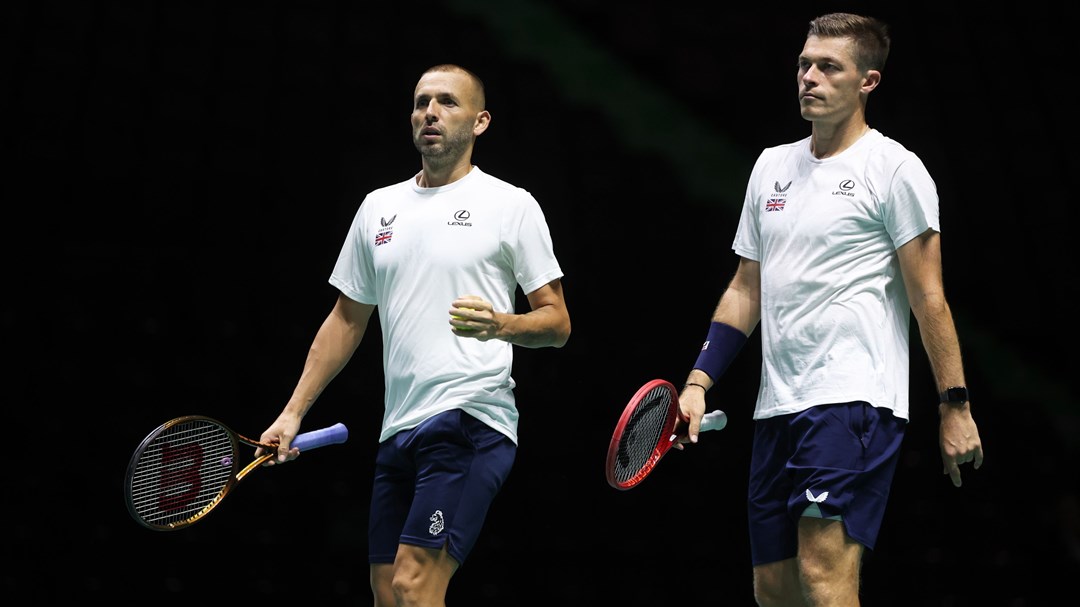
643,435
181,471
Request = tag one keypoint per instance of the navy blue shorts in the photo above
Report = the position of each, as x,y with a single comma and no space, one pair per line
830,461
434,483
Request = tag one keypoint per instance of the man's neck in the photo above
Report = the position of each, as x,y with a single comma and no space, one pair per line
830,139
437,176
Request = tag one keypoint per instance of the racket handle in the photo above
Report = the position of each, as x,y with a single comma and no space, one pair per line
714,420
329,435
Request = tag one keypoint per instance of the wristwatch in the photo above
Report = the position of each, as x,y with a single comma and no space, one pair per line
955,395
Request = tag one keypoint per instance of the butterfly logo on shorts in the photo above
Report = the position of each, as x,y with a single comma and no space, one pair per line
819,499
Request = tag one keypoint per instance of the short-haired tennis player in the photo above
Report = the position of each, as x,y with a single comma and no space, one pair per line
838,243
441,255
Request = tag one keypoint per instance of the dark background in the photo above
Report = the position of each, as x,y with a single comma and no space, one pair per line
182,174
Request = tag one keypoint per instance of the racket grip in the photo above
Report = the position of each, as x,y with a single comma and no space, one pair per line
714,420
329,435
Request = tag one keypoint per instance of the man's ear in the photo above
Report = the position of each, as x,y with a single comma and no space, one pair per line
870,82
483,119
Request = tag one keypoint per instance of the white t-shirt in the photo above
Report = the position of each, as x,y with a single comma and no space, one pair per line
411,251
835,315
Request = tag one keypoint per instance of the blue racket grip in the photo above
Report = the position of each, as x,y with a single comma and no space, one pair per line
329,435
714,420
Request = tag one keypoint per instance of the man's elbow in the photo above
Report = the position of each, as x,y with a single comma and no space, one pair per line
928,304
565,337
561,335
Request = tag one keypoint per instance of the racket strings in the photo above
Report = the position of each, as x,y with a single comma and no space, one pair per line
643,432
182,471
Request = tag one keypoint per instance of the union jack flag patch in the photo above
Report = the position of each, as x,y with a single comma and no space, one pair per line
774,204
383,237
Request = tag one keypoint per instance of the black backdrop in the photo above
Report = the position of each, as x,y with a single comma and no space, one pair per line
181,177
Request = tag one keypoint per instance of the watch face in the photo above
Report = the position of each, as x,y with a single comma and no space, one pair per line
955,395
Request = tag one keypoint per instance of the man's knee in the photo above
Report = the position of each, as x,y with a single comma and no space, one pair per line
777,584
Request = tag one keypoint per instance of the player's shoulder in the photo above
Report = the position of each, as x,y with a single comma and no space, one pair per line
889,156
491,181
500,188
781,154
783,150
384,199
880,144
392,187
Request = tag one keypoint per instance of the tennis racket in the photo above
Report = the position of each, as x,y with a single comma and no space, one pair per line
185,467
646,432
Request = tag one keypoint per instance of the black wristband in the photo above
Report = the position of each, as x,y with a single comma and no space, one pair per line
690,383
722,344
